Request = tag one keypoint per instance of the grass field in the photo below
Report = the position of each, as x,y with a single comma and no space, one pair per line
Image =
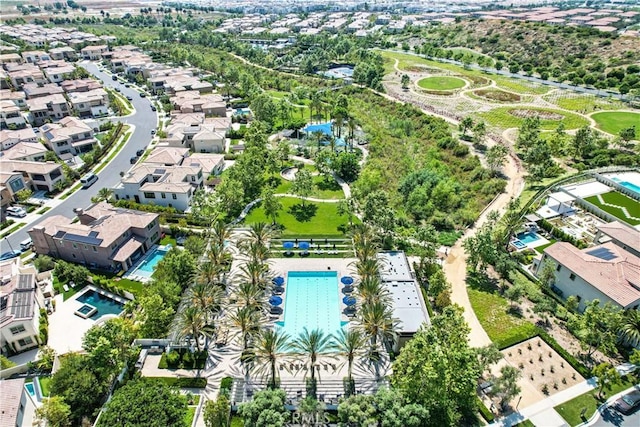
441,83
618,199
45,385
571,410
312,219
613,122
492,310
504,118
322,189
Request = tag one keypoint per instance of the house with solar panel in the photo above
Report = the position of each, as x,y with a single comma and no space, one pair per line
20,304
105,237
609,272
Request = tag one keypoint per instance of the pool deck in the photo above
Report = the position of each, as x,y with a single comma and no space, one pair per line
133,273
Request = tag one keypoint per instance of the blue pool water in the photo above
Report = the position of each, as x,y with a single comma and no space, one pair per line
527,237
626,184
103,303
312,300
151,261
30,389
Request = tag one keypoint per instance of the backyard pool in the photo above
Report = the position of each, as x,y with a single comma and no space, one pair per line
527,237
312,300
102,303
626,184
149,263
30,389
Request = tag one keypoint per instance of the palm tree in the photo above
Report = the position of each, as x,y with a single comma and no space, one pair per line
255,272
255,252
316,104
104,194
192,323
268,347
207,298
220,233
630,329
351,126
311,345
208,272
369,267
371,289
260,233
348,344
250,295
377,323
245,319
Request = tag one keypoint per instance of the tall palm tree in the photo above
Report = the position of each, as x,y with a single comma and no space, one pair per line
250,295
268,347
247,321
369,267
348,344
104,194
255,272
376,322
207,298
371,289
351,126
220,232
261,233
255,251
630,329
208,272
316,104
192,323
312,345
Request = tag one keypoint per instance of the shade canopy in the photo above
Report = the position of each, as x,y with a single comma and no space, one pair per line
349,300
275,300
278,280
303,245
288,245
347,280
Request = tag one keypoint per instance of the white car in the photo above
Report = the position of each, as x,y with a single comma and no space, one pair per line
16,211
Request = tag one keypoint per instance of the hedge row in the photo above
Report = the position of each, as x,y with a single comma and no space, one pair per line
527,331
183,382
484,411
561,235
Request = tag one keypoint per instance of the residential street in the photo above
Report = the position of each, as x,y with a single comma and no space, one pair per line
144,121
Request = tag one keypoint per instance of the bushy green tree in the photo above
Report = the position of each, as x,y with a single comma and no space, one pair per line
266,409
55,412
177,266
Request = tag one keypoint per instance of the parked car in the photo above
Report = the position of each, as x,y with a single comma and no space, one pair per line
117,89
127,85
26,244
628,403
129,98
10,255
153,108
114,77
140,152
133,160
88,180
17,211
142,94
153,131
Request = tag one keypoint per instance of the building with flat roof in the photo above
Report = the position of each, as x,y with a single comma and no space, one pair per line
408,305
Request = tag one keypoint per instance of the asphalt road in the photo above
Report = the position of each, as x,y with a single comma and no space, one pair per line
610,417
144,121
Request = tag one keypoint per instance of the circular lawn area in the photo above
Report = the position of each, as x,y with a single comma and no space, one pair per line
441,83
613,122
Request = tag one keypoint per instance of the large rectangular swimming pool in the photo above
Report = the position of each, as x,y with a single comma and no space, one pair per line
149,264
102,303
626,184
312,300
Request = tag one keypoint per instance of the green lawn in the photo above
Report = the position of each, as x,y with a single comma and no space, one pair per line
583,103
571,409
492,310
314,219
188,417
525,423
441,83
323,189
168,239
613,122
618,199
503,117
45,385
540,249
65,294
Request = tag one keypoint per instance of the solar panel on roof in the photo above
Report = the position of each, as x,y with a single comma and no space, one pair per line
603,253
60,234
25,282
93,233
159,171
22,305
83,239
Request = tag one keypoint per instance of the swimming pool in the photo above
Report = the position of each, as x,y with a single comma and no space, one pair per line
528,237
102,303
626,184
30,389
149,264
312,300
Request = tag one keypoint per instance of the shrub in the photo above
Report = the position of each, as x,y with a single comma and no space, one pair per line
225,385
484,411
44,263
188,360
173,359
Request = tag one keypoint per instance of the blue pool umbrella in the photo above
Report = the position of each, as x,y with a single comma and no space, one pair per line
275,300
349,300
303,245
288,245
347,280
279,281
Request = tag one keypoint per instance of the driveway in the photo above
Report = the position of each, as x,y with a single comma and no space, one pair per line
144,121
609,417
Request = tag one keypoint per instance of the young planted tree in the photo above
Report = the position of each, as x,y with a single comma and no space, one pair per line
479,133
303,185
607,376
405,81
506,385
496,156
271,204
465,125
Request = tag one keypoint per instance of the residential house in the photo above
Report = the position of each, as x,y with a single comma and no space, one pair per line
11,182
180,83
10,116
69,135
47,108
59,73
29,151
167,156
35,56
93,103
80,85
623,235
194,102
169,186
199,134
606,272
211,164
18,97
94,53
20,304
9,138
10,58
35,175
5,197
66,53
16,406
104,237
21,74
35,90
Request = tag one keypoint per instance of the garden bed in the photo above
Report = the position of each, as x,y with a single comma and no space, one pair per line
183,359
497,95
